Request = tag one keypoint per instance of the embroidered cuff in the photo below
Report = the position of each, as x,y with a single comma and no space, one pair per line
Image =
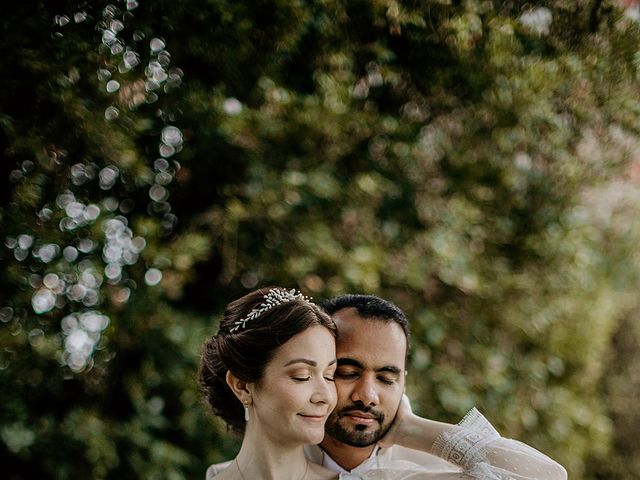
466,445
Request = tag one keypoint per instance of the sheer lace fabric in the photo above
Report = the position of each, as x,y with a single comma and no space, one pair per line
466,446
483,454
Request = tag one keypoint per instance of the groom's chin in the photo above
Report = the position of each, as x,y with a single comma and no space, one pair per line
354,435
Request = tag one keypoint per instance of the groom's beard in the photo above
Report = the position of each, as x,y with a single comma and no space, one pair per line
339,427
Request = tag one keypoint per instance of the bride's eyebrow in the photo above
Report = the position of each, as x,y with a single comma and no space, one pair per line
306,361
302,360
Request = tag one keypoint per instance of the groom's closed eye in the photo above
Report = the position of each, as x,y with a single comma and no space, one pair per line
387,380
347,374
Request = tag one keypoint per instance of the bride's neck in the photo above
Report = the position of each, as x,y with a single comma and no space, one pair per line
266,458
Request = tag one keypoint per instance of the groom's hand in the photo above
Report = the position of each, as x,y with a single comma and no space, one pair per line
400,422
412,431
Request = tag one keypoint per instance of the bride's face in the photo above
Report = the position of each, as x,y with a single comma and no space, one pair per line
296,394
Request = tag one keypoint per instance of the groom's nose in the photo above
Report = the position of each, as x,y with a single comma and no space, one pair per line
365,391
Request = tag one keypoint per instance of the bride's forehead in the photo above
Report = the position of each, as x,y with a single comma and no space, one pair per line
314,342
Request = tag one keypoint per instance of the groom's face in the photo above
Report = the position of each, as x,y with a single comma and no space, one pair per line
369,378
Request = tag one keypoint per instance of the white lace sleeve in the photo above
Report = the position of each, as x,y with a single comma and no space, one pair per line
477,447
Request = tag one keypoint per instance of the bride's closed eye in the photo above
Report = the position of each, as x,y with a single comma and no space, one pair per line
330,373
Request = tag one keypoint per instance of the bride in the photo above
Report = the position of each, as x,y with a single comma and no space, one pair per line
268,373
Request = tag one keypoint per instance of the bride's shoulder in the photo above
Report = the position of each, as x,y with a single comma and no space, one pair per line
220,471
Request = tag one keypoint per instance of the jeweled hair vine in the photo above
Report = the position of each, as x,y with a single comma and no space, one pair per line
272,299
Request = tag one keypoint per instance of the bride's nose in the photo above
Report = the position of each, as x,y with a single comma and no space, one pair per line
324,392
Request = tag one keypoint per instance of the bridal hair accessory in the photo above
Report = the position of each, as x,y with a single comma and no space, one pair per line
273,298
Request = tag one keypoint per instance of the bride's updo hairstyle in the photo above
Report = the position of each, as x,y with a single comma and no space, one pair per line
251,330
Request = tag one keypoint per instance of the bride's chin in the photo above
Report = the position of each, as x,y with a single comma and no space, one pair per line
316,437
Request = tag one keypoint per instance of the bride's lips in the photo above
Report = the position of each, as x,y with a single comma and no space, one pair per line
313,418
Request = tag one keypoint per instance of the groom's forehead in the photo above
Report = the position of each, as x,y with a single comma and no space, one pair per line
358,336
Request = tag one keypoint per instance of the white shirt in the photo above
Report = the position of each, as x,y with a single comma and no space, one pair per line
331,464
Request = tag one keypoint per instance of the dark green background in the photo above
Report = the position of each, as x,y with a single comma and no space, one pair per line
468,160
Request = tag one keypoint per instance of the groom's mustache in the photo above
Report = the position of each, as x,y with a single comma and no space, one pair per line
379,417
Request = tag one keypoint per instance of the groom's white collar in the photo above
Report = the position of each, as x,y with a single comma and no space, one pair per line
318,455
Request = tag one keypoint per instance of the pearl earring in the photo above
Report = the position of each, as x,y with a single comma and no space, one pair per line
246,412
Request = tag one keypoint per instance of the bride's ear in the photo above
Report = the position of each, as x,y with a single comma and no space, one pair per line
240,388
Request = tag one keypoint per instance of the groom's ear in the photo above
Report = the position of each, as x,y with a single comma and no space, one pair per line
239,387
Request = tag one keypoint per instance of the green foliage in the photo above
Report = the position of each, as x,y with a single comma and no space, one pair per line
475,162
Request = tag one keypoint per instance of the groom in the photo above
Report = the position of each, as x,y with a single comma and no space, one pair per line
371,348
372,425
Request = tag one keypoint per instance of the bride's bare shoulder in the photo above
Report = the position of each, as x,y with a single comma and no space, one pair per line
220,471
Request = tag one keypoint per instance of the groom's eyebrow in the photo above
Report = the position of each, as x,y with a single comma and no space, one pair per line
350,362
390,369
355,363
